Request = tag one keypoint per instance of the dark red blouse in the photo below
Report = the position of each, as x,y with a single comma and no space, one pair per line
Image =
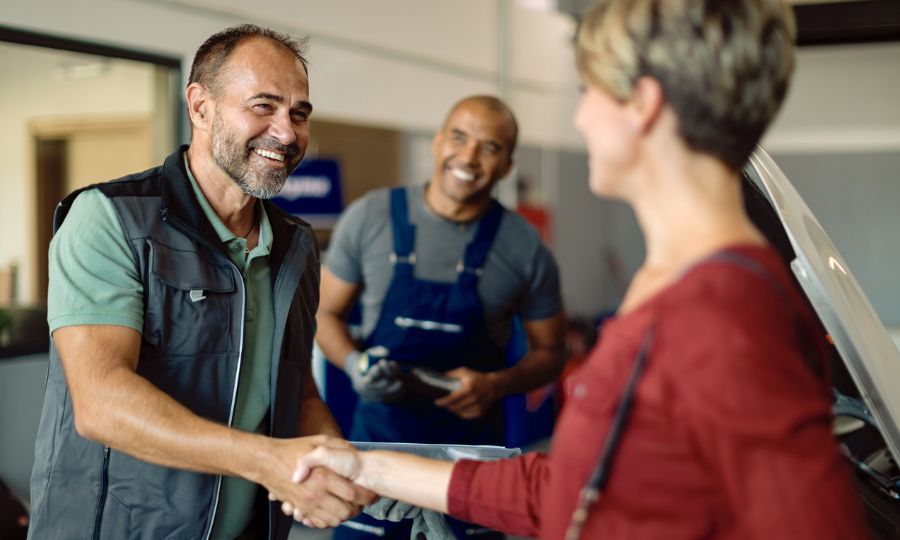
730,435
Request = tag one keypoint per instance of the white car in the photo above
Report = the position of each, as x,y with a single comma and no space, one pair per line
866,367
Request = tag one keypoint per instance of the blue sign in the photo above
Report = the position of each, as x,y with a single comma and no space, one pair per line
313,192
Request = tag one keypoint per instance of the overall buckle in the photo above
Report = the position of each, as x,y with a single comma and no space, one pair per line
405,259
461,267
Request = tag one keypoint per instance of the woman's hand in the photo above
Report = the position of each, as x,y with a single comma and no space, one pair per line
343,459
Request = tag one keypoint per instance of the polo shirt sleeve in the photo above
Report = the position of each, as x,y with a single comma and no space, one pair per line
93,278
344,255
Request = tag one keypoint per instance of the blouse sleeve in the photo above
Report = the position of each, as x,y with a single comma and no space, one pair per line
475,494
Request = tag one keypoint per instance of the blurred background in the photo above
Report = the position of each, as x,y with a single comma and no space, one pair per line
92,89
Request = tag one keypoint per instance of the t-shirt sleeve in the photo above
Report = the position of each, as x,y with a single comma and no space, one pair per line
92,274
475,495
760,419
543,299
344,255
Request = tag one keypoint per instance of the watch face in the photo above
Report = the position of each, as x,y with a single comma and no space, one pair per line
869,354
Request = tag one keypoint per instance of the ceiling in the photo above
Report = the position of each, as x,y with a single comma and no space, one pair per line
577,7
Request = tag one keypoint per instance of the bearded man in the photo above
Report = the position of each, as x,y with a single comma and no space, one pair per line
182,310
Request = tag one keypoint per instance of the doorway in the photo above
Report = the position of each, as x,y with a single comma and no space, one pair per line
72,153
77,113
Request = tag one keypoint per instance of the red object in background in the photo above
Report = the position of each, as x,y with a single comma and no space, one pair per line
580,337
540,218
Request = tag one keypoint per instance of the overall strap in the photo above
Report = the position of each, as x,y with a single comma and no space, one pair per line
478,248
403,257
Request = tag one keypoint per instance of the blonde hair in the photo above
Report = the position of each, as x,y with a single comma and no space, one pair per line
724,65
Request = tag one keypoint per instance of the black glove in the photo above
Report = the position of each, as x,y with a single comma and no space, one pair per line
374,377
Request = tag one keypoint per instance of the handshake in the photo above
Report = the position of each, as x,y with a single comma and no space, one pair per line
326,486
412,487
316,495
376,378
412,480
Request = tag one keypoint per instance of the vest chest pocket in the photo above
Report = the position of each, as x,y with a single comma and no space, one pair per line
190,303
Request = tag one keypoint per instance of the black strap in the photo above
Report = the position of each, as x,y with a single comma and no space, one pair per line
591,492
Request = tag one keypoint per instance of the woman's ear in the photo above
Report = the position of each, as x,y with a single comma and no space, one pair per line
645,104
198,105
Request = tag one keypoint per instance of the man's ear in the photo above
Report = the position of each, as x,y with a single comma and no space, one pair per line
510,163
645,104
436,142
199,105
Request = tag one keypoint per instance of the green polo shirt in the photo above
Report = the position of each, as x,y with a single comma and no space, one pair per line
93,281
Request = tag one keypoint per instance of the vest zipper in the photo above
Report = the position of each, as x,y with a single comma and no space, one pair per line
101,501
237,378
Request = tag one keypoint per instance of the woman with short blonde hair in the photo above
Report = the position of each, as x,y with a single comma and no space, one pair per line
702,411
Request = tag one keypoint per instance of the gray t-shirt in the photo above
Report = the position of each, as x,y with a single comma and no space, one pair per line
520,275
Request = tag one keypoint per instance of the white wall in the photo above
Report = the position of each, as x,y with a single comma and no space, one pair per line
395,63
842,99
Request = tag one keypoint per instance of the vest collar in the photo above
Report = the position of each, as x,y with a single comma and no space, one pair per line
180,207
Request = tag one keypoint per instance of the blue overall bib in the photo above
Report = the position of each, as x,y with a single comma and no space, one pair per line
440,326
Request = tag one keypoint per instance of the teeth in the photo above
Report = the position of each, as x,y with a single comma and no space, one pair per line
460,174
268,154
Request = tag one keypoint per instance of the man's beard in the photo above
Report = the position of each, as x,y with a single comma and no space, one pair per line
261,182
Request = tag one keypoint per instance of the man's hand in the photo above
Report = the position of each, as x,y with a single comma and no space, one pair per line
378,382
477,392
314,469
325,499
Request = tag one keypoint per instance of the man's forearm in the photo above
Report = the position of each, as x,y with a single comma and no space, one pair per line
117,407
136,418
535,369
316,419
333,338
124,411
545,359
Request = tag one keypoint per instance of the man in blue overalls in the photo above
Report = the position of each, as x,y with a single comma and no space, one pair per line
440,271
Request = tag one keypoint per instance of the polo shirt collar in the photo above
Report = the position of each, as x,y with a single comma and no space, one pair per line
224,234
